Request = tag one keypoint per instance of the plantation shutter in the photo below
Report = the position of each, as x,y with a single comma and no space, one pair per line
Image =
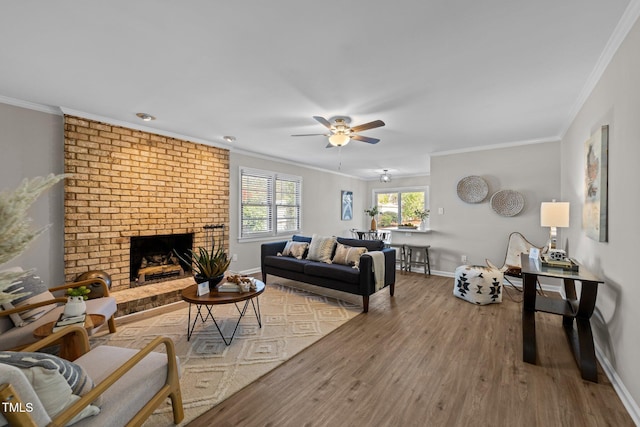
288,201
270,203
256,210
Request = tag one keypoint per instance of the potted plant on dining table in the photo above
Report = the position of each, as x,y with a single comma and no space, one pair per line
372,212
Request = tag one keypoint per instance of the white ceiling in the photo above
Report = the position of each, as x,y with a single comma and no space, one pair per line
444,75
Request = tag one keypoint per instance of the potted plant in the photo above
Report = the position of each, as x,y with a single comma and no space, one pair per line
75,305
372,212
207,265
422,214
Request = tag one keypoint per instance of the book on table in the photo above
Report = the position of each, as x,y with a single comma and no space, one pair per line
228,287
66,321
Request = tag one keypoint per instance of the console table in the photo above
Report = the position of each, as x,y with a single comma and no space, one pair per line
580,336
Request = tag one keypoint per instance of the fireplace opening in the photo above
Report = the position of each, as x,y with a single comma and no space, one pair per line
152,258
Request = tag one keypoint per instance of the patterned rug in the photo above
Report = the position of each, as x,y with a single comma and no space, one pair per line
292,319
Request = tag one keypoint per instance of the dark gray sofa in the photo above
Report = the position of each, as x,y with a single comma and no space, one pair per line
333,276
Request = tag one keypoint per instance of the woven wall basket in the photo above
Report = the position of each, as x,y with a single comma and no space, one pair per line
507,202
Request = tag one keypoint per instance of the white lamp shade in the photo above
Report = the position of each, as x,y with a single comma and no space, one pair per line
554,214
339,139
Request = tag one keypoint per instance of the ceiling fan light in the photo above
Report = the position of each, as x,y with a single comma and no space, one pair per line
339,139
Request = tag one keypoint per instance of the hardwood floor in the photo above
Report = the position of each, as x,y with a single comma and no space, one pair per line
422,358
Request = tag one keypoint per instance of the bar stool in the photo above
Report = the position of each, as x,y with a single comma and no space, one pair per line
417,262
400,249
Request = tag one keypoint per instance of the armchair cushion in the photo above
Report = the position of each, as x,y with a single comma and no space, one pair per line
138,385
18,337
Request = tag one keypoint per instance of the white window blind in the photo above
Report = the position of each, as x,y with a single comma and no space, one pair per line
270,203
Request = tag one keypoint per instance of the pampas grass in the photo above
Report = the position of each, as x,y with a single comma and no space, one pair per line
15,226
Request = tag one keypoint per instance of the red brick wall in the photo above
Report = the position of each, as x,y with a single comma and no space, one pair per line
132,183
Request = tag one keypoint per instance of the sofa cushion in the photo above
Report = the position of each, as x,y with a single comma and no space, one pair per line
295,249
321,248
342,273
286,263
298,238
371,245
348,255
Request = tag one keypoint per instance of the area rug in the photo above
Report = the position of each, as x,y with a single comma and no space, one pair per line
292,319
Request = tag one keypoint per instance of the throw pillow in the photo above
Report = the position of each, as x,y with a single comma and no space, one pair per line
348,255
54,380
74,374
25,317
30,284
295,249
321,248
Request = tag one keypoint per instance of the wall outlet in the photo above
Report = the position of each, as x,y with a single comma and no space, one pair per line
440,211
463,258
234,257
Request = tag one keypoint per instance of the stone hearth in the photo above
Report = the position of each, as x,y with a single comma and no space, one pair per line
150,296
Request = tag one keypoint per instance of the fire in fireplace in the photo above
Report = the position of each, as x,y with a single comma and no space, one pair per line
152,258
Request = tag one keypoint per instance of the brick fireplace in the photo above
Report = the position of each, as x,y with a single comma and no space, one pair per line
128,183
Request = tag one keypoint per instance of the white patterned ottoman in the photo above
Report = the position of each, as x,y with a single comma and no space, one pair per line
478,285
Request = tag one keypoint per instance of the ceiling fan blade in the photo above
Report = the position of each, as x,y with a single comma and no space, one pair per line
323,121
330,146
370,125
313,134
365,139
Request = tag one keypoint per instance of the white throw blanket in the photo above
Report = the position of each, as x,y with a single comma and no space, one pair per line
378,268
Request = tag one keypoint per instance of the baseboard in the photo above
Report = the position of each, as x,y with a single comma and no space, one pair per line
627,400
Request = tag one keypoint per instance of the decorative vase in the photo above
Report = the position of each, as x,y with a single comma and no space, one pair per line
75,306
374,225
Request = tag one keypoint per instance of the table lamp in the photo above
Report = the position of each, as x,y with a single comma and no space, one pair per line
554,214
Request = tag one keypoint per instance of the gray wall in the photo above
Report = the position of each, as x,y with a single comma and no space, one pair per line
321,205
615,101
32,145
476,230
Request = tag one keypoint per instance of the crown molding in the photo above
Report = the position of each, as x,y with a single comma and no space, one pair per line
628,19
293,163
496,146
136,126
30,105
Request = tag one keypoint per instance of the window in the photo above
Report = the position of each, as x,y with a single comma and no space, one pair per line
400,206
270,203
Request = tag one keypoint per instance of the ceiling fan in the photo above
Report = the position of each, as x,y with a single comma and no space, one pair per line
341,133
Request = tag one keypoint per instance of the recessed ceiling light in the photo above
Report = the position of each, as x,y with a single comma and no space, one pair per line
146,117
229,138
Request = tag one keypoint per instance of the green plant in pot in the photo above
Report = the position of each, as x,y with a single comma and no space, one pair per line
207,265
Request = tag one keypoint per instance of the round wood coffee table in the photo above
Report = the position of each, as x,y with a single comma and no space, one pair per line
70,348
210,299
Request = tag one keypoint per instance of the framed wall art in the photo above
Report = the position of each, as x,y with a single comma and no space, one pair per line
594,211
346,203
